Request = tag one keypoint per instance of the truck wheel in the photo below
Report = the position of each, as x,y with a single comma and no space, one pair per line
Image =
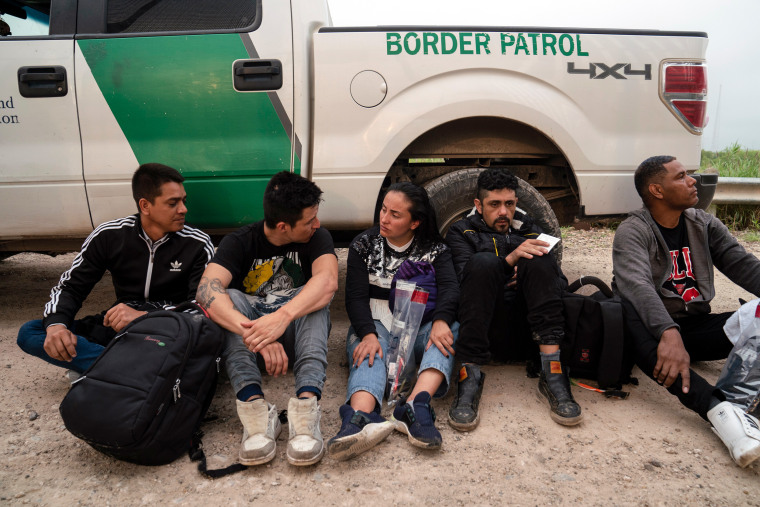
452,197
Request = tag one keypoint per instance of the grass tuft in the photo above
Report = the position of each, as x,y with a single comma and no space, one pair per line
734,162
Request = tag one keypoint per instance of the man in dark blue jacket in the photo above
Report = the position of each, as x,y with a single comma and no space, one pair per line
510,289
155,260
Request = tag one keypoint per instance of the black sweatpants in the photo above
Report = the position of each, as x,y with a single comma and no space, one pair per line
496,322
704,340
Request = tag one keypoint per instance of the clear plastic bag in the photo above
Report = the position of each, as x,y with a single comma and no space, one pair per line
740,378
407,316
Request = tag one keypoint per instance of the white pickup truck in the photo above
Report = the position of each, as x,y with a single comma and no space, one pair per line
232,91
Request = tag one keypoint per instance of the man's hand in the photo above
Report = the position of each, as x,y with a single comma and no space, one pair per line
369,346
527,249
513,281
265,330
120,315
672,360
275,359
60,343
442,337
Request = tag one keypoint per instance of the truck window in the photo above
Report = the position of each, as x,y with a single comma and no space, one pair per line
131,16
24,18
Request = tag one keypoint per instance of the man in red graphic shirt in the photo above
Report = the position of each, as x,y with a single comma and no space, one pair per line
663,257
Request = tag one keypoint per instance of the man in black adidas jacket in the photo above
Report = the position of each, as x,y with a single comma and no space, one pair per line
510,290
155,260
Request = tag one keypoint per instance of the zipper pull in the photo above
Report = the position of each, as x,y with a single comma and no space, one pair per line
218,364
175,391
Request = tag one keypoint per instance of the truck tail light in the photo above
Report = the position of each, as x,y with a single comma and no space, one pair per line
683,89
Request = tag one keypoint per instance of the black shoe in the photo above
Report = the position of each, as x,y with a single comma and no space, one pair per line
556,389
418,424
359,432
463,414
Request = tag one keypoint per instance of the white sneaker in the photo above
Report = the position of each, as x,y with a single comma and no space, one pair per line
261,427
738,430
305,446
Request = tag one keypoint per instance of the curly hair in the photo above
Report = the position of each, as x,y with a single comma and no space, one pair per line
148,178
286,196
495,179
648,170
421,210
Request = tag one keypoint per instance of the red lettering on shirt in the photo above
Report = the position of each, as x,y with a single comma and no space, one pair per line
687,258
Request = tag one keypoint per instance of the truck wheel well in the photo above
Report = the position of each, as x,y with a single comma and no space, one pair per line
484,141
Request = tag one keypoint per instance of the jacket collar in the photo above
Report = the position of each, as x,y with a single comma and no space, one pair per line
521,222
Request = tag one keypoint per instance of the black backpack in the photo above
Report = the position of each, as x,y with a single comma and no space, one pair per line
595,346
144,398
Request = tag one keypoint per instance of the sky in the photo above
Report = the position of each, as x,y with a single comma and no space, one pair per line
733,52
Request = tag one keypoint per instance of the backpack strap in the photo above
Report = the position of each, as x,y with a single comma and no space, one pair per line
591,280
196,454
611,360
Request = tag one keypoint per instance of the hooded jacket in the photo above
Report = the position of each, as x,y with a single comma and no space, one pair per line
471,235
641,265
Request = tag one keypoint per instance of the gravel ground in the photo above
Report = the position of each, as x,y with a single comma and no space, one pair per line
646,450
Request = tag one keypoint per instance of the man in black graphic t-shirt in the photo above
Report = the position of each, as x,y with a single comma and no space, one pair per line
663,257
269,285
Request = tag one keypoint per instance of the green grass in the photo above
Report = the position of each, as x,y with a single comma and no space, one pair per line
739,217
734,161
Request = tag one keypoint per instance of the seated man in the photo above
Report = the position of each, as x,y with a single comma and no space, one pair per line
281,274
663,257
155,261
510,289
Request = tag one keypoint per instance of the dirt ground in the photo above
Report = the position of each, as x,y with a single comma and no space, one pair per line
646,450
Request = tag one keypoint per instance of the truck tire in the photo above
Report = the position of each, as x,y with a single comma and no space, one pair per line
452,197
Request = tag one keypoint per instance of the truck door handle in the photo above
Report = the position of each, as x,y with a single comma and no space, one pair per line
50,76
256,75
42,81
247,71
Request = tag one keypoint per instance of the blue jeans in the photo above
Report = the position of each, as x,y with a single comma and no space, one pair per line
31,339
373,380
305,340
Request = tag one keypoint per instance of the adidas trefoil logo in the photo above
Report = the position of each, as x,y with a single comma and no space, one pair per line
176,266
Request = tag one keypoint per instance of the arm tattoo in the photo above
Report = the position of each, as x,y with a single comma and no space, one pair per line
206,288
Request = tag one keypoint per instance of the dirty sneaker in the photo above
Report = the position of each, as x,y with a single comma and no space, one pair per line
261,427
305,444
555,386
359,432
418,423
463,414
738,430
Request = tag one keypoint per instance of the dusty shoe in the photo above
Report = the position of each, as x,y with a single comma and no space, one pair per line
305,446
556,388
463,414
419,423
359,432
261,427
738,430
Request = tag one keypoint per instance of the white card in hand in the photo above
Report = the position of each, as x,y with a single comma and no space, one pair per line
549,239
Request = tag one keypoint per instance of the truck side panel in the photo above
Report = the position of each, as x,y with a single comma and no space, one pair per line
173,99
594,95
41,187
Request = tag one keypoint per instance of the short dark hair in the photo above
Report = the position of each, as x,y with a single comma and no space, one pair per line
495,179
648,170
286,196
427,232
148,178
